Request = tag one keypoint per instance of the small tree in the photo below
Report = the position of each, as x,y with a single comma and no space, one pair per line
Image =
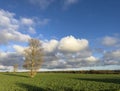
33,56
15,68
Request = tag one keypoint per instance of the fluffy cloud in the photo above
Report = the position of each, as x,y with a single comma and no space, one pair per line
7,20
66,44
71,44
58,58
12,35
69,52
110,41
19,49
9,28
50,46
9,33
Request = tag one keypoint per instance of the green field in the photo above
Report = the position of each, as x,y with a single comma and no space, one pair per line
59,82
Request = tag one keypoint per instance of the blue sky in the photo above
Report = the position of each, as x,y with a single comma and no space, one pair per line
85,18
88,26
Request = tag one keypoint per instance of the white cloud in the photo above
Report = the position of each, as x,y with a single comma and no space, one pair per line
50,46
66,44
19,49
9,27
69,52
109,41
28,25
91,59
12,35
71,44
27,21
70,58
7,20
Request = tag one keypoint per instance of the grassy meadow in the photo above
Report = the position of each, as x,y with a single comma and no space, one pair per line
59,82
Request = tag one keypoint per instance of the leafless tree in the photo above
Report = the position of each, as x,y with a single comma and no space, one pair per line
33,56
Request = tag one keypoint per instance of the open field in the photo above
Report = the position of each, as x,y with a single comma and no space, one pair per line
59,82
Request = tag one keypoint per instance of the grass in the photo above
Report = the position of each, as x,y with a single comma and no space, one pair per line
59,82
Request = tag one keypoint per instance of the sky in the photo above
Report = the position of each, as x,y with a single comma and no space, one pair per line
75,34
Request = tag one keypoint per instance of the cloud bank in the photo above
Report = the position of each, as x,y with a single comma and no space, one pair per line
67,52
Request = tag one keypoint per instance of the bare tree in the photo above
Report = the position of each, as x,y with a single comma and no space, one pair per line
15,68
33,56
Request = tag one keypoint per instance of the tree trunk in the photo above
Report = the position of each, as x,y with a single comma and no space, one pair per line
31,73
32,69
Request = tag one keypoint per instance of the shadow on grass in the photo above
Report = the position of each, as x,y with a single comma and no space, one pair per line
29,87
16,74
105,80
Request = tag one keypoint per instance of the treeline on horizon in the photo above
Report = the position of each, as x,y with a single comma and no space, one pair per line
86,72
77,72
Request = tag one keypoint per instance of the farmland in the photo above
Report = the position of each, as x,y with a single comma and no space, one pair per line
59,82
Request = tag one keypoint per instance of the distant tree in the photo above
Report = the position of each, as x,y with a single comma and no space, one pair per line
33,56
15,68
